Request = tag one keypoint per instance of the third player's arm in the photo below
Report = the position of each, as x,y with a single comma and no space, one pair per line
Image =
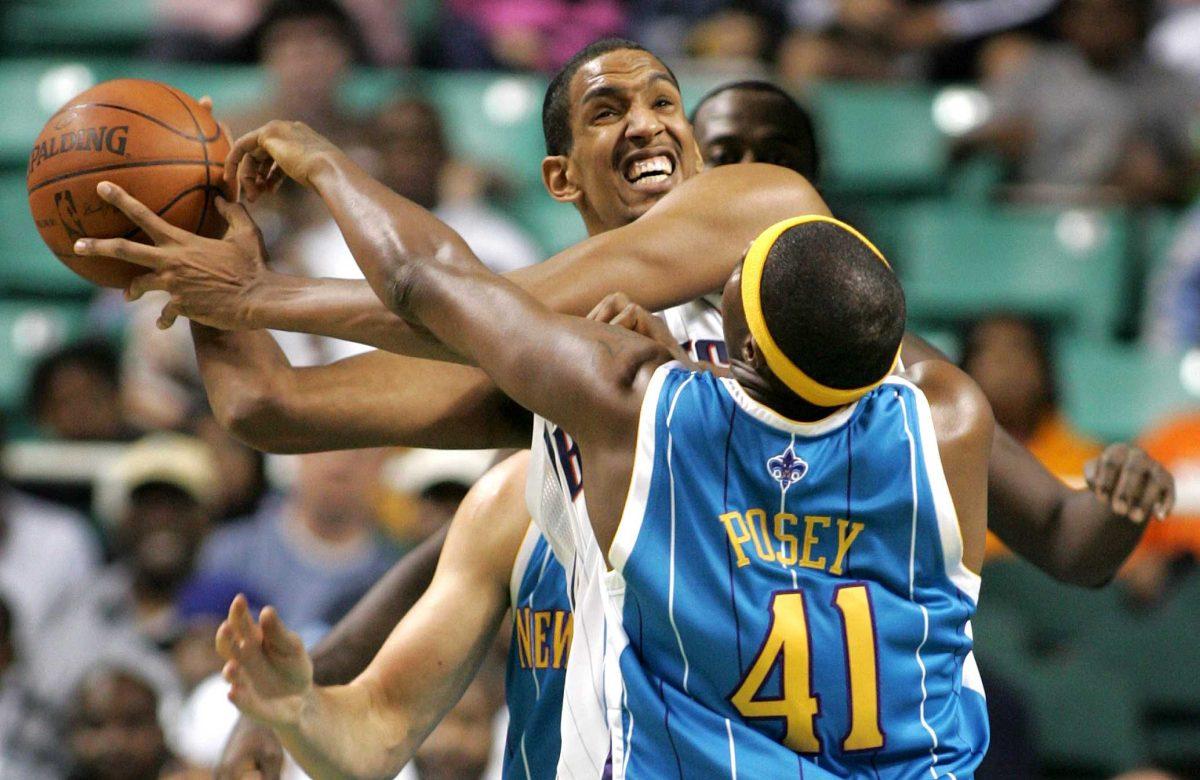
340,656
371,726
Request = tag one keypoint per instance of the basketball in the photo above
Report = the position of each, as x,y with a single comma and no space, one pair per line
157,143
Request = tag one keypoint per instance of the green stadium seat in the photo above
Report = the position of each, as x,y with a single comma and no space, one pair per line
39,87
26,264
30,91
28,330
878,139
1114,391
495,120
555,226
50,25
960,261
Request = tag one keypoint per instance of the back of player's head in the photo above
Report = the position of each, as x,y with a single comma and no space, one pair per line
796,122
824,308
556,107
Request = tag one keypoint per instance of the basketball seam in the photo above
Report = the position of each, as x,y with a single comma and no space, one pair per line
203,150
147,117
113,167
167,207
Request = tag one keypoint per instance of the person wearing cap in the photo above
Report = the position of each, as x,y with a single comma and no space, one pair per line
817,509
157,501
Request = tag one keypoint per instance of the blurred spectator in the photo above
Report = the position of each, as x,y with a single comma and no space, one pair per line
158,497
414,160
524,34
756,121
221,30
200,607
1173,306
114,731
307,48
29,738
73,393
1093,116
664,26
877,39
313,548
1009,358
733,38
423,488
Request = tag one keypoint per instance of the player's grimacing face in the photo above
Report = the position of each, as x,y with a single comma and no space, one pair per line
631,140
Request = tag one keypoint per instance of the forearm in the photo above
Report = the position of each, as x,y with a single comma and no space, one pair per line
371,400
1069,534
351,644
347,732
387,234
345,309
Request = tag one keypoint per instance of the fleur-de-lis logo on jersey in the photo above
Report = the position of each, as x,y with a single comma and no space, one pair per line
786,468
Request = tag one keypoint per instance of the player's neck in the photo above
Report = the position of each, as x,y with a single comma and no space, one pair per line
771,394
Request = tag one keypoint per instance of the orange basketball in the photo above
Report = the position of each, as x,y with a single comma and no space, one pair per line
157,143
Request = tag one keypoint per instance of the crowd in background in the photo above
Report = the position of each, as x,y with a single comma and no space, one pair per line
112,591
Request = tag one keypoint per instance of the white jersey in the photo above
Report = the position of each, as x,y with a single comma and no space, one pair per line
554,492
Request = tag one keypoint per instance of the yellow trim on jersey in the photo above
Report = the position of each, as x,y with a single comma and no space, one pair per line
788,372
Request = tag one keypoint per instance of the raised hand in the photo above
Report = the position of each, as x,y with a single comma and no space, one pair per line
267,667
619,309
211,281
1131,483
261,158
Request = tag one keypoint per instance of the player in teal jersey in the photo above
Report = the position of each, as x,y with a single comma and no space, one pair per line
817,330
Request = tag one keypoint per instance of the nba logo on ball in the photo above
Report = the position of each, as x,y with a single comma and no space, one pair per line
786,468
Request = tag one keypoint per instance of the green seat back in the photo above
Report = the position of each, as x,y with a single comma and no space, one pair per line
878,138
961,261
1117,391
75,25
555,226
26,264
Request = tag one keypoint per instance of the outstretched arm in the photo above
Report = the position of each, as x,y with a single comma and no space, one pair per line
1078,536
343,654
371,726
369,400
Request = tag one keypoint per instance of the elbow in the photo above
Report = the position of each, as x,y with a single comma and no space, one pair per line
254,415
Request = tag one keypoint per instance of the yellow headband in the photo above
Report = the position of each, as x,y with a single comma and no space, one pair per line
788,372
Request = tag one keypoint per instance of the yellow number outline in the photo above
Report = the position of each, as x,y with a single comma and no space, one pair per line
788,642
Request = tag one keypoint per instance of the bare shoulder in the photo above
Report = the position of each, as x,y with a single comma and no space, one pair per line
490,524
961,412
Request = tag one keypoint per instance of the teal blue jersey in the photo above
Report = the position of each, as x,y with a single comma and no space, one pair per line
789,599
537,661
